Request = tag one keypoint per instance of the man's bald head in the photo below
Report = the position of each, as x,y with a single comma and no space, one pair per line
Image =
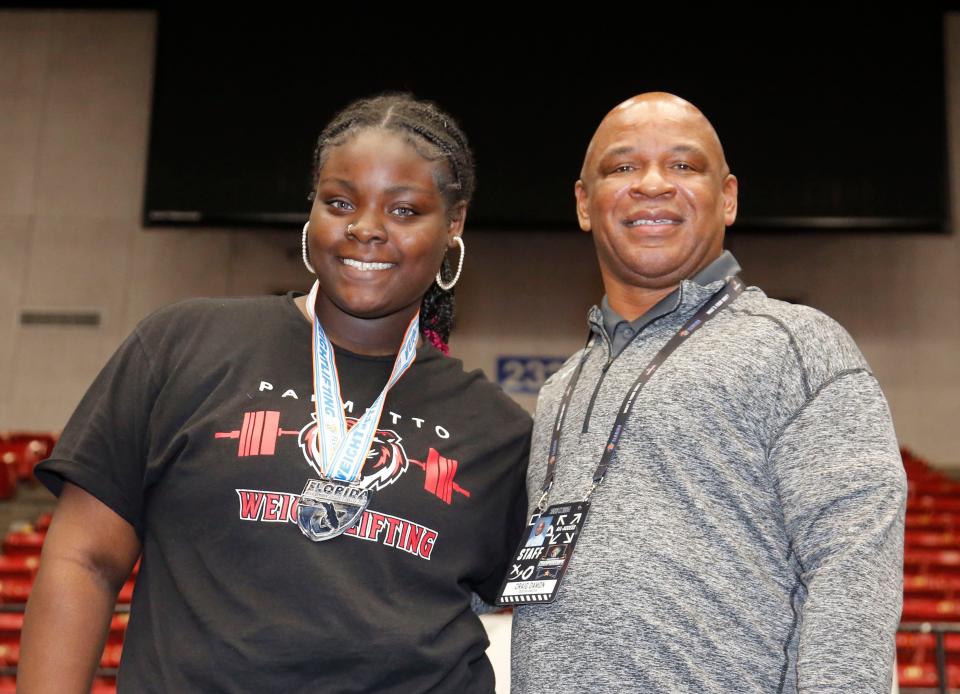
660,106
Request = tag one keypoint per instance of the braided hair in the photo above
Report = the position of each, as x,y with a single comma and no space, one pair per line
435,136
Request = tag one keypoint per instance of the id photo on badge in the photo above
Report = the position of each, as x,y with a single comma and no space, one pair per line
540,531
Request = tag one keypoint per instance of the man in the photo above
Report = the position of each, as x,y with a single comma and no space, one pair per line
747,536
537,535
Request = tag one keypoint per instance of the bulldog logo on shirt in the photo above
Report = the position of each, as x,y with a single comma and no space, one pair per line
387,460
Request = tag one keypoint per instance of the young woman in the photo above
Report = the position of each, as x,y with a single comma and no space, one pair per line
284,547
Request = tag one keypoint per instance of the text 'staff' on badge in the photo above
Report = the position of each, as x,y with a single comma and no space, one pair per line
328,508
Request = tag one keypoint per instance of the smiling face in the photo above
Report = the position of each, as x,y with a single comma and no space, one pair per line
379,227
655,192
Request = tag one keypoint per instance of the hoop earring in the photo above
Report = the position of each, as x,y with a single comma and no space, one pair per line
303,247
447,286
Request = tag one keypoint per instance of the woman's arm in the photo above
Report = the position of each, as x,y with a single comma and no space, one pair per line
87,555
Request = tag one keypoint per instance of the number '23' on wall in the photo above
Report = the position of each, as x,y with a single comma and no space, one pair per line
526,374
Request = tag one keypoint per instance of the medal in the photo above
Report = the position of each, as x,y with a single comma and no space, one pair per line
328,508
332,504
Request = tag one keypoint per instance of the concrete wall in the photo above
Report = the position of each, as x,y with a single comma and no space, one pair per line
74,110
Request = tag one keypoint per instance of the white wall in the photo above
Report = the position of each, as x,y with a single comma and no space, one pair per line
74,107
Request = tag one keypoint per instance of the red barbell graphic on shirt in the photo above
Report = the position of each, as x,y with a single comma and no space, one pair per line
259,433
386,461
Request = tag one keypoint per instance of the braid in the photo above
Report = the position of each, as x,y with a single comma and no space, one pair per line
435,136
436,311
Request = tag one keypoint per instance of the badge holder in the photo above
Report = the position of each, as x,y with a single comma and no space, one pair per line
541,560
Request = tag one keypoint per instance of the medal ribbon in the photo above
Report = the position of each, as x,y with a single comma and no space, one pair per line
343,451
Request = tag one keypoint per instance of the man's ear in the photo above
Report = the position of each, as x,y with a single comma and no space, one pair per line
583,205
730,188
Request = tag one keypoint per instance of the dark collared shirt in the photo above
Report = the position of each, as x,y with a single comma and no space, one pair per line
621,331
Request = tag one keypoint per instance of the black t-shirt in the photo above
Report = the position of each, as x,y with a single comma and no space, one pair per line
197,433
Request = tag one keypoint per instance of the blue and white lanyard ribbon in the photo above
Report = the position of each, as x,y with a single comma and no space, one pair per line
342,451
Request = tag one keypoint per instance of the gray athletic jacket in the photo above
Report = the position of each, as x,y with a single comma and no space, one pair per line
748,536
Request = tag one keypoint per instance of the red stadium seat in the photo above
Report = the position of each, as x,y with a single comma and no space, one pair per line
29,448
9,654
922,675
15,591
919,648
19,543
931,560
42,524
118,627
10,625
9,464
933,487
929,503
944,521
926,538
126,593
19,566
925,610
942,586
111,655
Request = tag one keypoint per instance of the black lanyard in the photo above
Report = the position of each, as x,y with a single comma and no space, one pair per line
723,298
